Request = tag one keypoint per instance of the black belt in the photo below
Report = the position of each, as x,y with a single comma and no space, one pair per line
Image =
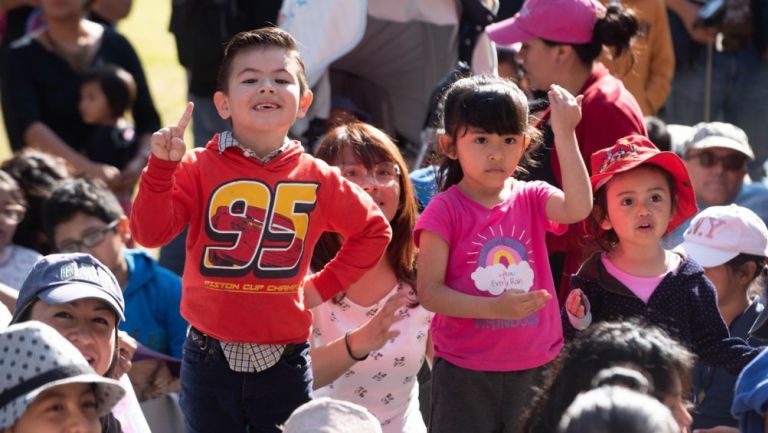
205,341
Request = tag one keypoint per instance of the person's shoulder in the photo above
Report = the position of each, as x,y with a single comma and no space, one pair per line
111,35
445,199
590,268
25,254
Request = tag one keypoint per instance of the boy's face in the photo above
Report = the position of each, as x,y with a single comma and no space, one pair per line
11,213
88,323
94,107
63,408
263,93
88,234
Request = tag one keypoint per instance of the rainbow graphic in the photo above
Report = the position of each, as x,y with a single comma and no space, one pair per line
504,251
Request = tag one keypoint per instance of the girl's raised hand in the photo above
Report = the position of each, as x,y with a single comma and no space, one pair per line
574,304
515,305
168,143
566,110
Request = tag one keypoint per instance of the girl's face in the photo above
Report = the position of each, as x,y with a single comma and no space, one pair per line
63,408
381,182
11,214
540,63
88,323
94,107
639,206
487,159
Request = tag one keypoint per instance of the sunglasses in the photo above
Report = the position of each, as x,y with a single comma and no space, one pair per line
730,162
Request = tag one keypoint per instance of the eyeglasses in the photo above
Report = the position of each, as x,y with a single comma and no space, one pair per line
89,240
730,162
383,173
13,214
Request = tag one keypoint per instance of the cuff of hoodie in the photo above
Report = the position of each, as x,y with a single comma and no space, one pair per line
327,284
584,322
159,174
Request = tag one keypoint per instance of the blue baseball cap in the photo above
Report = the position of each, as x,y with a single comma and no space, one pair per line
61,278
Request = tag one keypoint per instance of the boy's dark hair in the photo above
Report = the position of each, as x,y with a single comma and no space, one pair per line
495,105
8,183
118,86
610,409
607,239
614,30
265,37
658,133
91,197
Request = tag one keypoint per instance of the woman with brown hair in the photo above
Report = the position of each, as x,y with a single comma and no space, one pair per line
42,83
369,344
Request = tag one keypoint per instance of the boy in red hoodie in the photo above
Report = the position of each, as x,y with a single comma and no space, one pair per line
255,204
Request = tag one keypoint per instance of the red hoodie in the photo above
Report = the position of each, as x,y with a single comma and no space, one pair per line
252,230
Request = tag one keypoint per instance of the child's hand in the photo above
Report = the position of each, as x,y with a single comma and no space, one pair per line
566,110
126,346
377,331
515,305
168,143
575,305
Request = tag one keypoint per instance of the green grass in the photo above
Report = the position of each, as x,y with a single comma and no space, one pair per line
147,29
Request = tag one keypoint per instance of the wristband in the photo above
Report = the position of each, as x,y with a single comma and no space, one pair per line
349,349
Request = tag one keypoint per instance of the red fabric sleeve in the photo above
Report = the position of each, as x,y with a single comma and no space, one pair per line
162,206
351,212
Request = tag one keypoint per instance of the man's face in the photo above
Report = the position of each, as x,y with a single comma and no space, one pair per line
717,174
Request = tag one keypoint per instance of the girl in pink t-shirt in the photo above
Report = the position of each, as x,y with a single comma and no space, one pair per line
482,265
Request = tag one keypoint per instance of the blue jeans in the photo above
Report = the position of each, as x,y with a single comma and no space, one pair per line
739,96
215,399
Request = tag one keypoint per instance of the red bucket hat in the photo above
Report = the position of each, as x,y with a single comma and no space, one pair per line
635,150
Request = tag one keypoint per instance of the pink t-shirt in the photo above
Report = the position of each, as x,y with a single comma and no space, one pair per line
491,251
642,287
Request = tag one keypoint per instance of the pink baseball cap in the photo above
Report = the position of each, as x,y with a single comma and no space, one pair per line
569,21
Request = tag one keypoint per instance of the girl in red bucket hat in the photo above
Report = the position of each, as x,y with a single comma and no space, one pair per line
641,194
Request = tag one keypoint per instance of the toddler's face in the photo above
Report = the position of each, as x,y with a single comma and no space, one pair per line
639,205
11,213
63,408
94,107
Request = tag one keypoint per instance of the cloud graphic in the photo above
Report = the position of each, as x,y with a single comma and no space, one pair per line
496,279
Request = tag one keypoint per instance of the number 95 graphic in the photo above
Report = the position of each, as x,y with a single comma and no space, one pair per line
258,230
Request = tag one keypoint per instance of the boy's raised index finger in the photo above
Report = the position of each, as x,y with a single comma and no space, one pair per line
186,117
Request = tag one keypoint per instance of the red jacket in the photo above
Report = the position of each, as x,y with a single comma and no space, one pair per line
252,230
